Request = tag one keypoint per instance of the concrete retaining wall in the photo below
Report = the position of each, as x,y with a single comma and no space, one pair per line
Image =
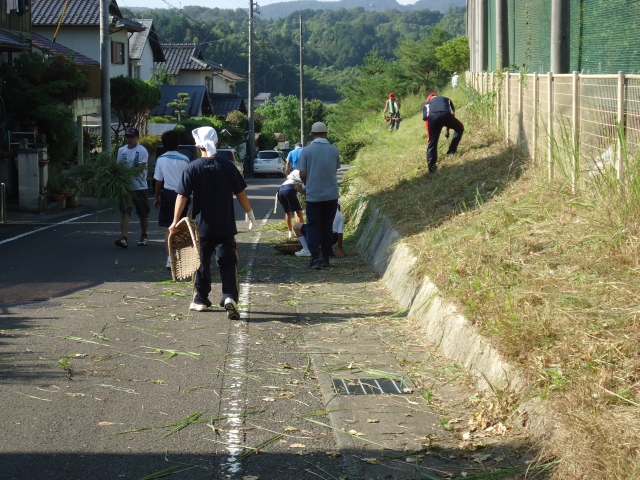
438,318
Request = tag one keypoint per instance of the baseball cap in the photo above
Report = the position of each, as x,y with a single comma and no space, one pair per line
391,95
132,132
430,96
318,127
298,144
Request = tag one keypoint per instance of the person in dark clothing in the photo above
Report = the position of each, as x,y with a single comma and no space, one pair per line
439,112
213,183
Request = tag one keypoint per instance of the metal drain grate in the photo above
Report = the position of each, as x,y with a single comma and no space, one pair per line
31,305
370,386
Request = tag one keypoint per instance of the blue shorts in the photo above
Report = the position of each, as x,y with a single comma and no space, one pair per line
288,198
168,206
304,232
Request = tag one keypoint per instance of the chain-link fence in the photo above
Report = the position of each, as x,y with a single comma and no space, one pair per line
578,123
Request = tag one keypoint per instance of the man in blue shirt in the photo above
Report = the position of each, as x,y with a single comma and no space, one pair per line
293,157
318,166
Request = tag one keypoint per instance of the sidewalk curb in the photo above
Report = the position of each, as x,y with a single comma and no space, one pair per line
440,320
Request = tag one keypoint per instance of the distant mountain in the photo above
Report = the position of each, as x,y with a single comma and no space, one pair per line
284,9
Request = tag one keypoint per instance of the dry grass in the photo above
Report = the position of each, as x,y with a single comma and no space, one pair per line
551,277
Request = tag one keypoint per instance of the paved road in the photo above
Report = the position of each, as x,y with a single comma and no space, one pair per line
104,372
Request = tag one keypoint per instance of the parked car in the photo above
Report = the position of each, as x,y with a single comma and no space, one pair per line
269,162
233,156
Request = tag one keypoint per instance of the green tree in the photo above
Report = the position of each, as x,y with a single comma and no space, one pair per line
162,77
454,54
418,61
283,116
39,90
179,105
132,101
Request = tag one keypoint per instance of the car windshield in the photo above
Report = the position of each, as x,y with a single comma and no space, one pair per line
227,155
268,155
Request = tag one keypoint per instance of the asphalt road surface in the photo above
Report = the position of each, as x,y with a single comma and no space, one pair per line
106,374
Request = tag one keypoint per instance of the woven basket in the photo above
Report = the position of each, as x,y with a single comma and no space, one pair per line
289,248
186,242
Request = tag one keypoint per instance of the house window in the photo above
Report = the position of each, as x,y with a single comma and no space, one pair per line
136,71
117,52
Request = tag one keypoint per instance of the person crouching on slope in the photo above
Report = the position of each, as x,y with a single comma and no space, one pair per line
439,112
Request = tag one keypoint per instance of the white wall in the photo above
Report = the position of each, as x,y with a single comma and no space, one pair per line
222,85
86,40
146,69
188,77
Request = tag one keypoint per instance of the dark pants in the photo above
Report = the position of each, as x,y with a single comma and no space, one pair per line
436,123
227,261
319,229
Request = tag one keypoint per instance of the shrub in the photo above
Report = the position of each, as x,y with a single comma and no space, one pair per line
158,120
151,143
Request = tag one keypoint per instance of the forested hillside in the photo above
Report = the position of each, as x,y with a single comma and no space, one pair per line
283,9
336,42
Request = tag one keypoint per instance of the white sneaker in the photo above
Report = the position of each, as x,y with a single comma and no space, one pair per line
303,253
232,310
168,265
290,234
198,307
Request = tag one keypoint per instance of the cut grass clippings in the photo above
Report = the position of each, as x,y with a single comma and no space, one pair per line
549,276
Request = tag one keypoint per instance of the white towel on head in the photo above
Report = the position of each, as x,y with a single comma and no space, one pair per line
206,137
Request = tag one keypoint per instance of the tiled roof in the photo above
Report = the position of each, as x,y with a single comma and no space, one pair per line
198,100
138,40
224,103
79,12
11,43
231,76
185,56
41,42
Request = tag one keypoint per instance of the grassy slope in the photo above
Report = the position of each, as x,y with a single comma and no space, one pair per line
551,278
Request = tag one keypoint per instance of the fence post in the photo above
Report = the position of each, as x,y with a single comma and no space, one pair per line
3,207
520,136
575,130
550,135
536,109
621,133
507,102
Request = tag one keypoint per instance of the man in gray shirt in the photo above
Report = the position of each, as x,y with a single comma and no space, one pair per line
318,165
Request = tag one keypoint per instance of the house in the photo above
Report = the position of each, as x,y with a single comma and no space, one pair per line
224,103
259,99
198,100
144,51
186,63
80,29
15,32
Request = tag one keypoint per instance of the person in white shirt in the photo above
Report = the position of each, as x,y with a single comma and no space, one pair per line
338,234
135,155
288,198
168,174
454,80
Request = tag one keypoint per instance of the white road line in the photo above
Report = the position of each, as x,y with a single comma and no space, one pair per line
51,226
234,407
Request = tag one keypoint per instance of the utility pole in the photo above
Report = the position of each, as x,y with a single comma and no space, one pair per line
105,63
301,86
252,136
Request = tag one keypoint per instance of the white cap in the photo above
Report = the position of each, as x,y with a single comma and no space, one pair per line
318,127
206,137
